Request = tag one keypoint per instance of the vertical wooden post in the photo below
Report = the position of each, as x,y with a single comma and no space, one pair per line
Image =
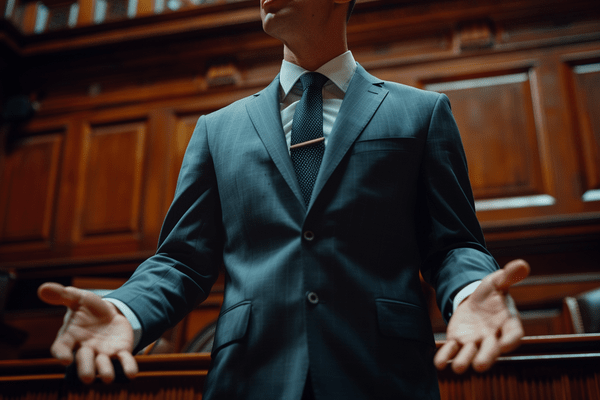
86,12
29,15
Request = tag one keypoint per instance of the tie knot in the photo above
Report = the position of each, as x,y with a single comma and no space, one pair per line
312,80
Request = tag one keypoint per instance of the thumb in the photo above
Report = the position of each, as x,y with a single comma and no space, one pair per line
58,295
513,272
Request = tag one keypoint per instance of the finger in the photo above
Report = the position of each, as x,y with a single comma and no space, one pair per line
511,334
51,293
513,272
62,348
130,367
464,358
106,372
58,295
487,354
445,354
85,364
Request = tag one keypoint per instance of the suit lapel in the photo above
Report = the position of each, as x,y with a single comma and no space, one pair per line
266,118
362,99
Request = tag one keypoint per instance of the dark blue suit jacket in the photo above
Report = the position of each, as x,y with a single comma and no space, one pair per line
392,198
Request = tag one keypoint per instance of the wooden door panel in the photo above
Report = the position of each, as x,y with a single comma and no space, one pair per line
29,190
183,133
587,93
495,115
114,163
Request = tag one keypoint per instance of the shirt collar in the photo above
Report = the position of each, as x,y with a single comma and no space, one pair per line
339,70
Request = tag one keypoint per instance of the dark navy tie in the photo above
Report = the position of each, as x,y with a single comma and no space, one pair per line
307,145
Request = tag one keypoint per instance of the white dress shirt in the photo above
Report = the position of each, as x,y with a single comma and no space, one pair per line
340,71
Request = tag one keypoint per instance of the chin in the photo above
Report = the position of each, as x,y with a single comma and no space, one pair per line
269,24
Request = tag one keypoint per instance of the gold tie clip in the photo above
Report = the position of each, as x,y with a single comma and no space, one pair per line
307,143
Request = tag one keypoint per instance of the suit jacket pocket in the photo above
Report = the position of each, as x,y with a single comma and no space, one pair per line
232,325
404,320
406,144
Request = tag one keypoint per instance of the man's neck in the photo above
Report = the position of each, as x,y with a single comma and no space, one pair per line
311,63
311,56
312,32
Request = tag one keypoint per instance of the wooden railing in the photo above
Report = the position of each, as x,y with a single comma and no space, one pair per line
544,367
168,377
564,367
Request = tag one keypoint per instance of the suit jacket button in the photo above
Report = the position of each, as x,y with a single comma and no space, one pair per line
312,298
308,235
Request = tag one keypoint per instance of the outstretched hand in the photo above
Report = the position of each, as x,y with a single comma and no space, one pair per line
93,329
486,324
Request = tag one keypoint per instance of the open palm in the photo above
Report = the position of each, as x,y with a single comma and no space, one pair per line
484,325
94,330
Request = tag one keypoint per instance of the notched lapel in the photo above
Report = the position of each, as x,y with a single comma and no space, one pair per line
362,99
266,118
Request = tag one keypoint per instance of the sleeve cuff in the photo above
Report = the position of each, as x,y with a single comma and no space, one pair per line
463,294
131,317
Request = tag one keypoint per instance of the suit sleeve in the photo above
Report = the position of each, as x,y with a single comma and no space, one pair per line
452,244
168,285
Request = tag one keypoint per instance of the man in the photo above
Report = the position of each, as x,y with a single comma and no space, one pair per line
322,296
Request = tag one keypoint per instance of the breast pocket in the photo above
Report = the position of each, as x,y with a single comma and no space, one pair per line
398,144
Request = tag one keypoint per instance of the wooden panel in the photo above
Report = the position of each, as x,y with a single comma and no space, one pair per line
183,133
495,115
587,92
113,158
32,323
29,189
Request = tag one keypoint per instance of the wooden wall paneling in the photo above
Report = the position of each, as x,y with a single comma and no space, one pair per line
586,99
569,222
156,195
559,133
111,190
29,187
184,128
562,27
66,213
503,134
33,322
495,117
386,57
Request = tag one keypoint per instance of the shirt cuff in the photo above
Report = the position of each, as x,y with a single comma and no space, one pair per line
131,317
463,294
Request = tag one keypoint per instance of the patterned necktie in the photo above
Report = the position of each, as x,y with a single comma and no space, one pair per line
307,126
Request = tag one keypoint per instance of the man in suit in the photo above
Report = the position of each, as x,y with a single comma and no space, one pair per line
322,297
